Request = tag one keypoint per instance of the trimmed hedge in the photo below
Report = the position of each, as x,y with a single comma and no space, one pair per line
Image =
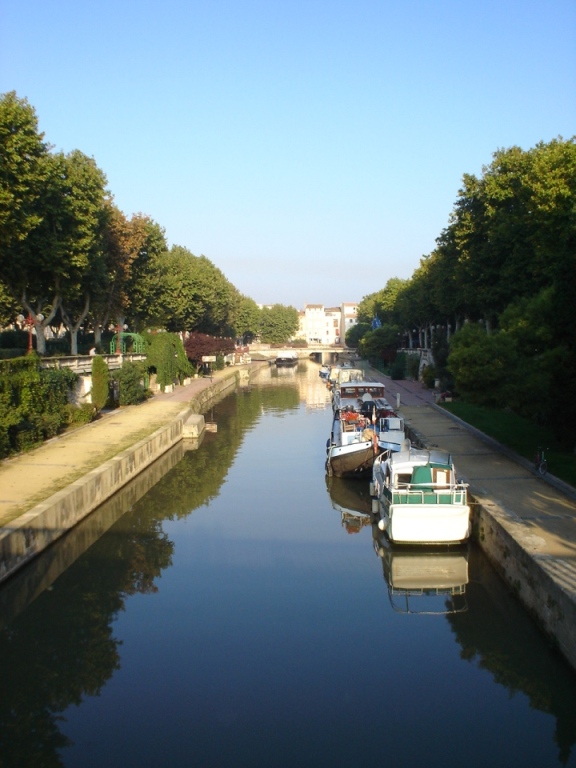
100,382
33,403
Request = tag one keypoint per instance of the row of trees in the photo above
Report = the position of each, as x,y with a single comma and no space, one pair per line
69,255
495,297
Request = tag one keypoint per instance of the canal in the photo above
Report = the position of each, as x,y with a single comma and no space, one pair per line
233,607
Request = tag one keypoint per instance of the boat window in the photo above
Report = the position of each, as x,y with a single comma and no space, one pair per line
441,477
402,479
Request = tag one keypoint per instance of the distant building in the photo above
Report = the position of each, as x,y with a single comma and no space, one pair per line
326,325
349,317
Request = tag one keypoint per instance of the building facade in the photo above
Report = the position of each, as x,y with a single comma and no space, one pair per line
326,325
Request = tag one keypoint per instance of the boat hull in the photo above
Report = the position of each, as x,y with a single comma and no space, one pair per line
351,460
286,362
425,523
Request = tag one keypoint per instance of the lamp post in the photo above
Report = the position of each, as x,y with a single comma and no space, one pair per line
119,330
29,322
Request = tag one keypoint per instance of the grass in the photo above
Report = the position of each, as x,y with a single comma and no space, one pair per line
521,435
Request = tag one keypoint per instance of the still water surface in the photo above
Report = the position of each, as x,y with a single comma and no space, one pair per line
242,613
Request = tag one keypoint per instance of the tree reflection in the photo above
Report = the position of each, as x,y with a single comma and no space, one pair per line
497,635
62,648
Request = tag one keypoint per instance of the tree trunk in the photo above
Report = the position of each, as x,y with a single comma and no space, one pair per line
40,325
74,327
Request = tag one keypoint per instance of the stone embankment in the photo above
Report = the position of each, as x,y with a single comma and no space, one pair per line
526,524
46,492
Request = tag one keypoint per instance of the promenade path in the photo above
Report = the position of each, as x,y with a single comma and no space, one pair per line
30,478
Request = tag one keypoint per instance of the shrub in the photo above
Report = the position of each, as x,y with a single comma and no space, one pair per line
398,367
165,353
58,347
33,402
14,339
428,376
412,366
100,382
130,383
80,414
25,436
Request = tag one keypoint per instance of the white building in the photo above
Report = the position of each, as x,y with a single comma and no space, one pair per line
326,325
349,317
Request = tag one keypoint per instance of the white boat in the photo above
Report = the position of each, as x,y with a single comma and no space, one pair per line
391,434
355,395
418,499
324,372
340,374
351,447
287,358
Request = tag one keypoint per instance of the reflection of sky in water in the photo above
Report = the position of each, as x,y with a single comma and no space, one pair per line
270,641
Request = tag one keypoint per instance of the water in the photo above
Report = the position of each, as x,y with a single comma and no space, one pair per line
242,613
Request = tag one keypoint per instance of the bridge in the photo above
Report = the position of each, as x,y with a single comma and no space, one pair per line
320,353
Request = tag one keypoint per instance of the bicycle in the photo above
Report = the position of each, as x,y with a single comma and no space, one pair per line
540,462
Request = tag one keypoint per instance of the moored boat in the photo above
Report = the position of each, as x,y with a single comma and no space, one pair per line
418,499
391,434
352,446
287,358
354,396
340,374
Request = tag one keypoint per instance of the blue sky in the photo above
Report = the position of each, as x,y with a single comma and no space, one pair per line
310,149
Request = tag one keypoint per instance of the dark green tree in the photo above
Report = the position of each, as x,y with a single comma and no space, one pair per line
278,324
246,319
356,333
165,354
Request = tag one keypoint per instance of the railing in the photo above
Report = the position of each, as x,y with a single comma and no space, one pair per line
455,495
83,363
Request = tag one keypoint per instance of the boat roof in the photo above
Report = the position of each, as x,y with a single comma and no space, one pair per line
420,457
362,383
394,422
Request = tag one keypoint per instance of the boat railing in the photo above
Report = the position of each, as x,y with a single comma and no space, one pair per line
455,494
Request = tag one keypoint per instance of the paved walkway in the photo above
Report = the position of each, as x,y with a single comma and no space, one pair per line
545,504
30,478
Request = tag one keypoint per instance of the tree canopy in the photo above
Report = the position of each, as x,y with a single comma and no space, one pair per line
278,324
69,256
499,286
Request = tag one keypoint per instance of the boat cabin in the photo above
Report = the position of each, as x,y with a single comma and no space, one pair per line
364,397
422,477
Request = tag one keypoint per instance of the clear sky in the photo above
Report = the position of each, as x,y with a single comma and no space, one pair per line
311,149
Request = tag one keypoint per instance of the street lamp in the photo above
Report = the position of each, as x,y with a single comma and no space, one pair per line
119,330
29,321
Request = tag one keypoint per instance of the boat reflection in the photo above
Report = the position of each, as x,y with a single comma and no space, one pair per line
352,500
423,581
